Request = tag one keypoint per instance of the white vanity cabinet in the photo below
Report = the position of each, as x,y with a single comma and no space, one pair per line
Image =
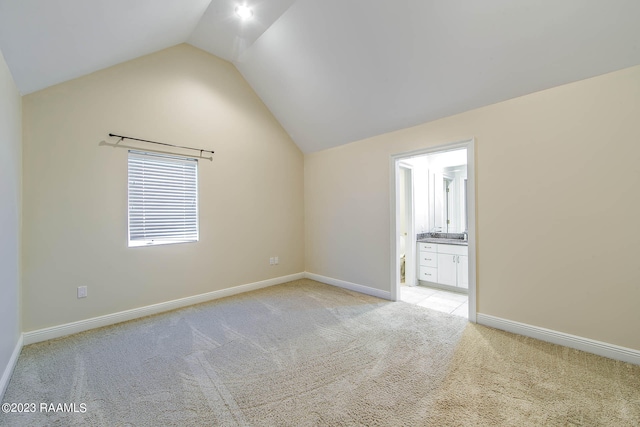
428,262
444,264
453,265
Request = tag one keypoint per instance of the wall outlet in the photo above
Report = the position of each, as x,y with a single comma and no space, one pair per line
82,291
276,261
272,261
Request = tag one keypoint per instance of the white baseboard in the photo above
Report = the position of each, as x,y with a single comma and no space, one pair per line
348,285
8,370
600,348
122,316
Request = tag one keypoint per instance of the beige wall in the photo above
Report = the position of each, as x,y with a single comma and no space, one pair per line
10,207
75,191
558,178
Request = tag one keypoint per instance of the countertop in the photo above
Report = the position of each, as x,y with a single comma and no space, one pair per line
458,242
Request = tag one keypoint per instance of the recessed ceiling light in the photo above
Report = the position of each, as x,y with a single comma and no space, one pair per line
244,12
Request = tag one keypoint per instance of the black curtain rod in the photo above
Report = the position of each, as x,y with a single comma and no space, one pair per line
161,143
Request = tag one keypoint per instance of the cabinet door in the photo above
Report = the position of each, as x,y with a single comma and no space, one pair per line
447,269
463,271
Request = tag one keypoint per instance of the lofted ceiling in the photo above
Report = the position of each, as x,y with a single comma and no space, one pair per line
336,71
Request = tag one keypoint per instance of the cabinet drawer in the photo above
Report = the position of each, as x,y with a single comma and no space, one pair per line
429,247
428,259
453,249
428,274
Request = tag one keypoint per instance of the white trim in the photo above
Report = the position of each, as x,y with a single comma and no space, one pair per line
122,316
394,162
8,371
471,221
410,242
350,286
394,213
600,348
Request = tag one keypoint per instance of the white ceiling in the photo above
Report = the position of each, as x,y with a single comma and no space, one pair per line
335,71
221,32
50,41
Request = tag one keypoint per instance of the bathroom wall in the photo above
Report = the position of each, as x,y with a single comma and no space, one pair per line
424,167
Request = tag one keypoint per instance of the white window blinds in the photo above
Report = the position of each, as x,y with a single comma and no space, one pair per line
163,199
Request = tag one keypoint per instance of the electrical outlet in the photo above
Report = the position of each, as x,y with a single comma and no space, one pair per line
82,291
272,261
276,261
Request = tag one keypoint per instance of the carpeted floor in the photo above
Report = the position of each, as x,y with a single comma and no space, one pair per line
304,353
497,378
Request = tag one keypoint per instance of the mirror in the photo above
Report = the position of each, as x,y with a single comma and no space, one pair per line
454,199
439,183
447,190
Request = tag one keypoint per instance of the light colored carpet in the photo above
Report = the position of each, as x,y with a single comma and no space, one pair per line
501,379
305,353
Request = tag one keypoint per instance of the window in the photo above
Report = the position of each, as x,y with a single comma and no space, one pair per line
163,199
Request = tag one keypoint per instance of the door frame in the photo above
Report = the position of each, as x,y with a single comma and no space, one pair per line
410,241
394,171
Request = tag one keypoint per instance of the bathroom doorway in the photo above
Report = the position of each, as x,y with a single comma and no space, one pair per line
443,222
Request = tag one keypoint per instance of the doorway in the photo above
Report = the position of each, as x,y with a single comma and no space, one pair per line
455,206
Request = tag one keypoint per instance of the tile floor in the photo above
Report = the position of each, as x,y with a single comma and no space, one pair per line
436,299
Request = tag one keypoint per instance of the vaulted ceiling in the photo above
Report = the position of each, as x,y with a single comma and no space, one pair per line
336,71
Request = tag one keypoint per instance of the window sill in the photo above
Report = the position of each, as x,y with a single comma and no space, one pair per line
159,242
